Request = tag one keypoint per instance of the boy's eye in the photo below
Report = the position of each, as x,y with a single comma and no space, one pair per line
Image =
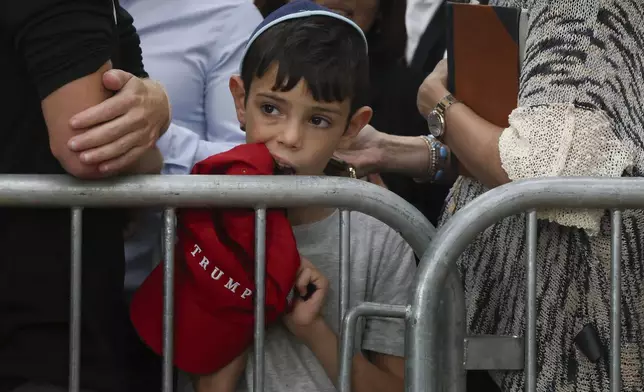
269,109
320,122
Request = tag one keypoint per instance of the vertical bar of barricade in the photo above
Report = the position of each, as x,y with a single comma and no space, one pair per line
75,305
615,301
452,325
345,265
531,302
423,343
260,298
168,298
345,275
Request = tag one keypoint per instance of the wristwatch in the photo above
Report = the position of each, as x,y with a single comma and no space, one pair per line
436,118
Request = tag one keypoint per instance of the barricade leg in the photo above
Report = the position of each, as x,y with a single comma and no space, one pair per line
531,302
260,298
452,325
75,303
345,265
615,301
169,231
425,346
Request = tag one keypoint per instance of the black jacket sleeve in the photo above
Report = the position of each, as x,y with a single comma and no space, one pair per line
64,40
131,55
59,40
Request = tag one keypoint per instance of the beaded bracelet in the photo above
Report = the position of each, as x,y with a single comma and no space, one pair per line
438,155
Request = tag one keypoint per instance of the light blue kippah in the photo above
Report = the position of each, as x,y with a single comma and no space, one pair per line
293,10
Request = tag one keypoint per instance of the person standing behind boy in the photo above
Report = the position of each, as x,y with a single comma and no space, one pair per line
192,47
301,93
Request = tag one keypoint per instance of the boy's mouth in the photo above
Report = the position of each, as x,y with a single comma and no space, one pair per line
284,169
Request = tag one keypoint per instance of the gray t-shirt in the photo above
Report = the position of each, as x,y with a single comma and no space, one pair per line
382,269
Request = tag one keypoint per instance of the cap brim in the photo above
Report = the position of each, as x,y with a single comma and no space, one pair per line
204,342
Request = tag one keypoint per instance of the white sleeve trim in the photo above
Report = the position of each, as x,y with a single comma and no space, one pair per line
563,140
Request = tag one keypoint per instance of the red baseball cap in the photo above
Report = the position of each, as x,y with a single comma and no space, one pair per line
214,274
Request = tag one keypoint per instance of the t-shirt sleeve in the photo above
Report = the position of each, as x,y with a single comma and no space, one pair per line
59,40
131,55
393,277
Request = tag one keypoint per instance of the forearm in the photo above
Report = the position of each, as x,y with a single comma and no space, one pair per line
475,142
403,154
365,376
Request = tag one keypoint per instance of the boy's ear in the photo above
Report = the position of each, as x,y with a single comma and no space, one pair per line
236,86
358,121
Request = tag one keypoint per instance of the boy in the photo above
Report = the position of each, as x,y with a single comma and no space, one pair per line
299,97
302,92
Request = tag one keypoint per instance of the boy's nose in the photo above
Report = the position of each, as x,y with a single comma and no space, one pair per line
291,136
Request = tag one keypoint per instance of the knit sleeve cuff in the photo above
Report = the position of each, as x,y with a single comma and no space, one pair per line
563,140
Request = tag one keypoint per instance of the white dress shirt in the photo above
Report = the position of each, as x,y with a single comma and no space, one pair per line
417,17
193,47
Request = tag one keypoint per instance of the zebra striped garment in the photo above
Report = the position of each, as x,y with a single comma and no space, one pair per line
589,53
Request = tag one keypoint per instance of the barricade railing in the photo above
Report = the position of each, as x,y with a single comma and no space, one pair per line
432,365
257,192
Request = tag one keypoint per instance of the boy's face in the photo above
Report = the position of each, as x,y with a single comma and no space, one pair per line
300,132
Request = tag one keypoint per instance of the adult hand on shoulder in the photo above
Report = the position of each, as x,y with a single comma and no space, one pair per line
364,152
433,89
305,313
119,131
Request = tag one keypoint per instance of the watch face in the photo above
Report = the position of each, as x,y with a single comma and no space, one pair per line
435,123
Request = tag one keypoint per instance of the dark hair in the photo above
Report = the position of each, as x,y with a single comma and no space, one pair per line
327,53
388,35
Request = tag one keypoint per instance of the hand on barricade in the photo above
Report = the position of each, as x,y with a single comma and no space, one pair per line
307,308
119,131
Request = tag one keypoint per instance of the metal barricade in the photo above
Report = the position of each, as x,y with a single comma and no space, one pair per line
258,192
426,324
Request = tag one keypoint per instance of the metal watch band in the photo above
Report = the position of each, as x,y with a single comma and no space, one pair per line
445,103
436,118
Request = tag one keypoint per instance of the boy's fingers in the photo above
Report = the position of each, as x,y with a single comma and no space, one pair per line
311,288
320,281
303,280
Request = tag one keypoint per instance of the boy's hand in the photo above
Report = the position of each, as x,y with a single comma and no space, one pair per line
306,312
